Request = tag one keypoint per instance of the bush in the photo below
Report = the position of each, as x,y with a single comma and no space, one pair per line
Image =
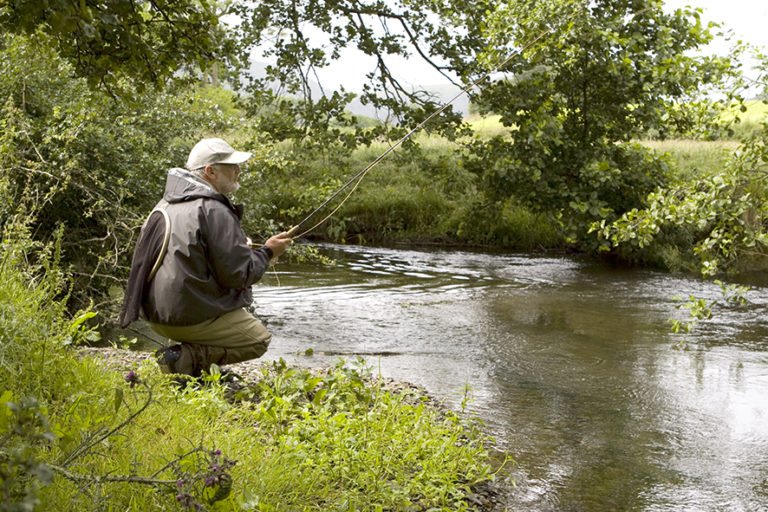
718,221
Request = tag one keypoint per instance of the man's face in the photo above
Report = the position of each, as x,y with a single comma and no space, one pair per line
225,178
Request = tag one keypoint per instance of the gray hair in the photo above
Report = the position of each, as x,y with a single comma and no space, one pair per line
198,173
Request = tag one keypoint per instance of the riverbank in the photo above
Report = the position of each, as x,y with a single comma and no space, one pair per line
329,439
107,430
481,496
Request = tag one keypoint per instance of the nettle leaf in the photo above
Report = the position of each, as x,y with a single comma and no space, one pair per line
319,396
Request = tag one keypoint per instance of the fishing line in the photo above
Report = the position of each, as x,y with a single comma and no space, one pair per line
358,177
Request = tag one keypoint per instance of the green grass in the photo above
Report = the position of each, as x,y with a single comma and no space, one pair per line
486,126
751,120
693,158
307,442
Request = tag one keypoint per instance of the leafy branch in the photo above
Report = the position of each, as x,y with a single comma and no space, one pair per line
732,296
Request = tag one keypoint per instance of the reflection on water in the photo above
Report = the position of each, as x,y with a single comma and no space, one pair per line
570,364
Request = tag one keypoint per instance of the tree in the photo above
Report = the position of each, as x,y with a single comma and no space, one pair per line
597,75
110,41
300,36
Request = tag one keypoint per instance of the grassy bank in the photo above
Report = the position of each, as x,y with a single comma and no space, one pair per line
75,435
693,159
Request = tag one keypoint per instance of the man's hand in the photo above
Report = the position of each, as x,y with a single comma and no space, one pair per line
279,243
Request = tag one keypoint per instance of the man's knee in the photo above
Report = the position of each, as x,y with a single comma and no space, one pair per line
260,347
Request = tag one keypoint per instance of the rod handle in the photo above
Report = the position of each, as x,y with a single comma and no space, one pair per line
294,230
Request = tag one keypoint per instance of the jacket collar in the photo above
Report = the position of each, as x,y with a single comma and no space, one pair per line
182,186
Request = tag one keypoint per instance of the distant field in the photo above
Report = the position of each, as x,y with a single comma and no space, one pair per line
485,126
690,157
757,112
694,158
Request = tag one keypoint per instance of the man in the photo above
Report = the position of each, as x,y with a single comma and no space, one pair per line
193,266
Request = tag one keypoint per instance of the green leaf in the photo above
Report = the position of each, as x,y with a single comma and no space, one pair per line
319,395
118,399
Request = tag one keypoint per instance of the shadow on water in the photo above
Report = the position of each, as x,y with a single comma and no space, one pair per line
571,365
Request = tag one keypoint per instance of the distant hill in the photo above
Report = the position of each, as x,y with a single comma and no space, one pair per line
442,93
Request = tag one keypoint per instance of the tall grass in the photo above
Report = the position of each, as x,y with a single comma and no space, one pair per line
691,159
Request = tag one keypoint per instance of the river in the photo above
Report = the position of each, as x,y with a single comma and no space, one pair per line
570,364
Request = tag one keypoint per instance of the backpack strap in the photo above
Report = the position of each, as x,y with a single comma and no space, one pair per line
164,247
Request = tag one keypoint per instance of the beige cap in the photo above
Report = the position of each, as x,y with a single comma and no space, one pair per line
214,151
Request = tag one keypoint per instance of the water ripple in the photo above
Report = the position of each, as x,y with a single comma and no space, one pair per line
570,364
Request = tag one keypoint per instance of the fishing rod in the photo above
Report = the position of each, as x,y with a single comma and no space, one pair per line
358,177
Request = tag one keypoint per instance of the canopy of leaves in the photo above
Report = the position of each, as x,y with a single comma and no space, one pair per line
105,41
298,37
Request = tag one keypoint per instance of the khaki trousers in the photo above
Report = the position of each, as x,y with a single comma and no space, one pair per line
230,338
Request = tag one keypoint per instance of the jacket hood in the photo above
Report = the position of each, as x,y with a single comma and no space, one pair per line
182,185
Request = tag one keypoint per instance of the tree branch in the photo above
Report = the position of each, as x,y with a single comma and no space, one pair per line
132,479
88,444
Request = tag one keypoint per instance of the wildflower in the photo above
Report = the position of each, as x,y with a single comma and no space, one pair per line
187,501
132,378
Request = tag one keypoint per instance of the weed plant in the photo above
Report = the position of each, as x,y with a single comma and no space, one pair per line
76,437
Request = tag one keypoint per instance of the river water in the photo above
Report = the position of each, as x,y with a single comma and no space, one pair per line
570,364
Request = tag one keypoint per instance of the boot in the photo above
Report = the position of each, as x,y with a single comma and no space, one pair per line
208,355
179,358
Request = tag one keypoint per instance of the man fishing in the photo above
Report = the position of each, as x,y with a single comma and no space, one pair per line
193,267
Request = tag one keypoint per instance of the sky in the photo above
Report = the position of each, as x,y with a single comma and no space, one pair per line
747,18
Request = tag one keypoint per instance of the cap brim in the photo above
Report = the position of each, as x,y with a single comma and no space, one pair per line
238,157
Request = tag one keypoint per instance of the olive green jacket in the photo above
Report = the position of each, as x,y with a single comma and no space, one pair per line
208,268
